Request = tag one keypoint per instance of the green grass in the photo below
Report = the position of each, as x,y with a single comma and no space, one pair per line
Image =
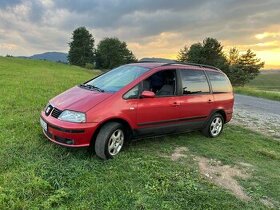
37,174
266,85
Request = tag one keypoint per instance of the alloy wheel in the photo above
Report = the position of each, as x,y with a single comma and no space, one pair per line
115,142
216,126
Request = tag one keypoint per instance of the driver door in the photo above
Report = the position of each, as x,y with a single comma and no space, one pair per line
159,114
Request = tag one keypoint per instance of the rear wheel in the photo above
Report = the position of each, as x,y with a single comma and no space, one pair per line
214,126
110,140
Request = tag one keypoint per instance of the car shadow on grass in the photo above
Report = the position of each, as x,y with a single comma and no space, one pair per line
167,138
145,144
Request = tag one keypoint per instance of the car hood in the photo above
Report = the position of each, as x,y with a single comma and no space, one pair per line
79,99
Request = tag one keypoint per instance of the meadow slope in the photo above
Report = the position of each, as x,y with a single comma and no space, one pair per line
265,85
149,174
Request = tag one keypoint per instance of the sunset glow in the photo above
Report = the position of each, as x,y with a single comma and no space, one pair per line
150,28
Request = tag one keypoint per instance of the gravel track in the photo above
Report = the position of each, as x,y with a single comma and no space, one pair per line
258,114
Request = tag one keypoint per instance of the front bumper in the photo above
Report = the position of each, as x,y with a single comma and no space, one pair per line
68,134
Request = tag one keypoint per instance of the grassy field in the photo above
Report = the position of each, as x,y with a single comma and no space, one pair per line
37,174
266,85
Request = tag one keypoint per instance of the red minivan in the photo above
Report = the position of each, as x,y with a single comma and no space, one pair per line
136,100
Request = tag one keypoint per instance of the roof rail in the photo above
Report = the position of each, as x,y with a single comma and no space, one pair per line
179,63
192,64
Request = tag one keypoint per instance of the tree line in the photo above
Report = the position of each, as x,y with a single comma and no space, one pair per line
239,67
111,52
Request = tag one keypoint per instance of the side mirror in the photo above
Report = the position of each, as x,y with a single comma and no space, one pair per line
148,94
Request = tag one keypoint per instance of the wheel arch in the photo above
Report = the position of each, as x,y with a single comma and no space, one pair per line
206,126
124,122
221,112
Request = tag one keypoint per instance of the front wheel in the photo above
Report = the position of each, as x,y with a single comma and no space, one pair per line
110,140
214,126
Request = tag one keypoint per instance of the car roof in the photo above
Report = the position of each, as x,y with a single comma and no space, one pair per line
152,65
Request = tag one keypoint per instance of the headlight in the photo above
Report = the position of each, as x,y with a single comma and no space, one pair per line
72,116
46,106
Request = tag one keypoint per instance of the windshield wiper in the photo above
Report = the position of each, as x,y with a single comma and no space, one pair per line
91,87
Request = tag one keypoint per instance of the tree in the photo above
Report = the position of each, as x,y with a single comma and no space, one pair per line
195,54
233,56
239,68
111,52
245,68
183,54
81,47
209,52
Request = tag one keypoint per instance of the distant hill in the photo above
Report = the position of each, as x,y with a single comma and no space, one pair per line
274,71
49,56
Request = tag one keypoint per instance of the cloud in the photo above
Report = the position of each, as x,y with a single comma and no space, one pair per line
158,28
268,35
5,3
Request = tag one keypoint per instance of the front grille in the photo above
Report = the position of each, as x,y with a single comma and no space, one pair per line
56,112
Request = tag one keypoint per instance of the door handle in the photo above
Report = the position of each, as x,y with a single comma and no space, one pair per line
210,101
176,103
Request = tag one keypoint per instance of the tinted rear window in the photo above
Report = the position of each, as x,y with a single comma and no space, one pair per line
194,82
220,83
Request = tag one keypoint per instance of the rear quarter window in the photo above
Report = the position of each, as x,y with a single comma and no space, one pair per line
220,83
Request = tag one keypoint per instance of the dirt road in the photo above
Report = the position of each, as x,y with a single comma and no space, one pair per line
261,115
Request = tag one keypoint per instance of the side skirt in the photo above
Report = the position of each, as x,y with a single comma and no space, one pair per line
168,129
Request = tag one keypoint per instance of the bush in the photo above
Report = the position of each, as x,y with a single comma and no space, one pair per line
89,66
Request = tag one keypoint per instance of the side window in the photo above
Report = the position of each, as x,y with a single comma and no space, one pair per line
162,83
194,82
132,93
220,83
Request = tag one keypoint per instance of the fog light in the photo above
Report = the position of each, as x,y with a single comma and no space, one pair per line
64,140
69,141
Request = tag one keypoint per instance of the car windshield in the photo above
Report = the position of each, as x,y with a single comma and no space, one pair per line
117,78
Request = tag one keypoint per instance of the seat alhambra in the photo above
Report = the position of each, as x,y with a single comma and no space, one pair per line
136,100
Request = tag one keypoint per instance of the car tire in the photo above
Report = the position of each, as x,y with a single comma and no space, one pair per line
214,126
110,140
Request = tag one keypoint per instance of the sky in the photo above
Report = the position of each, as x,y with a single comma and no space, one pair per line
151,28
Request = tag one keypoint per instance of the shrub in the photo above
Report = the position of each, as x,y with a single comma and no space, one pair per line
89,66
